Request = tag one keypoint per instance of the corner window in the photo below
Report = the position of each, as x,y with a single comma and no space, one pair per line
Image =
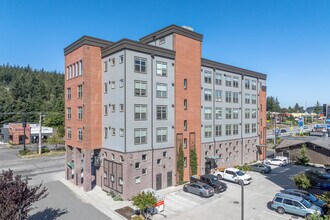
140,65
207,76
161,68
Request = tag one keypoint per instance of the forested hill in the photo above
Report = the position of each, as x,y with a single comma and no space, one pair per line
23,89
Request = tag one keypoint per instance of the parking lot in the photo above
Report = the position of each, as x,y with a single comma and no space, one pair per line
227,205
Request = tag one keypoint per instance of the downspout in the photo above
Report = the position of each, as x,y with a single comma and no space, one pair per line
152,121
242,147
125,100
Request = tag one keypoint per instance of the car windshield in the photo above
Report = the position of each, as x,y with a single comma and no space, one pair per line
312,197
213,180
306,203
240,173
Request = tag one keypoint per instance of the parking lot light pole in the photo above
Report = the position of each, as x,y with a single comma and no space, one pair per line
242,199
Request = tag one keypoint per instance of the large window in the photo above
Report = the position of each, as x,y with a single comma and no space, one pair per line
254,113
218,131
161,134
68,113
207,76
69,133
235,97
161,90
140,65
140,88
68,90
208,113
228,96
247,128
140,112
218,78
247,113
228,80
105,88
218,95
208,94
140,136
254,84
80,91
218,113
228,130
235,113
254,128
80,134
80,113
235,129
161,112
254,99
161,68
208,131
228,113
247,84
235,81
247,98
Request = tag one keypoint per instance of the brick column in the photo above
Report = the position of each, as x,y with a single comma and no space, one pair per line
77,166
87,170
68,156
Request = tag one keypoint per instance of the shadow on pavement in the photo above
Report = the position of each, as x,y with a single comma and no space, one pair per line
48,213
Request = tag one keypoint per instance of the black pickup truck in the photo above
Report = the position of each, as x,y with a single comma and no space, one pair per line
212,181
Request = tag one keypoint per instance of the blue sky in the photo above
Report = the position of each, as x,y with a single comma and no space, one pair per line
286,39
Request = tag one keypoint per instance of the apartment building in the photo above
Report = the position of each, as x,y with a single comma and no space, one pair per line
131,105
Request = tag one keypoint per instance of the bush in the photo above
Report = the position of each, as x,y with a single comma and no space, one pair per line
45,150
245,167
23,152
112,194
117,198
301,181
303,158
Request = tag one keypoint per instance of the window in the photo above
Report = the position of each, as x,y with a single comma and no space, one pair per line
140,88
185,105
218,80
105,132
208,94
247,113
207,76
161,112
69,133
121,107
113,61
185,125
105,66
228,113
144,157
112,157
70,71
247,98
218,113
254,128
235,97
80,113
287,201
113,84
185,84
247,84
105,109
254,113
121,58
162,41
218,95
113,131
208,131
278,199
68,90
228,80
161,68
80,91
80,135
113,108
164,153
121,159
144,171
161,90
161,134
185,143
235,113
218,131
207,113
254,84
140,65
247,128
121,83
68,113
228,130
140,136
228,96
235,129
105,88
159,162
121,132
137,179
254,99
185,161
140,112
137,165
235,81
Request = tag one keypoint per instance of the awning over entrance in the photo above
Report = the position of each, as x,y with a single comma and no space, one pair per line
71,165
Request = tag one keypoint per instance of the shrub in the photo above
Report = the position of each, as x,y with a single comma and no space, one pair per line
45,150
180,165
144,201
303,158
193,161
23,152
301,181
245,167
117,198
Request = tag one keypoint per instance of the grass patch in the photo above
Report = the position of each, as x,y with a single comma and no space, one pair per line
33,154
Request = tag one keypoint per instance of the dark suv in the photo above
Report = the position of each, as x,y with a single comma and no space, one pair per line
214,182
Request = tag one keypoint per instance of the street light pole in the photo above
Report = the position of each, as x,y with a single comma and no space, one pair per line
24,126
242,200
39,145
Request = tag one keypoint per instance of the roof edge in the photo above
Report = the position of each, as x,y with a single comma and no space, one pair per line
86,40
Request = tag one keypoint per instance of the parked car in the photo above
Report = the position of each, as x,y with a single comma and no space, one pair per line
212,181
198,188
327,168
295,205
308,196
275,161
262,168
283,131
233,175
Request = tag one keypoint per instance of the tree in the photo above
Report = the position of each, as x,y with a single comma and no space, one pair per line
180,165
16,197
193,161
301,181
317,108
144,201
55,139
297,108
303,158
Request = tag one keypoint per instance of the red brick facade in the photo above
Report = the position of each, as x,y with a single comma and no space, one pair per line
262,122
16,133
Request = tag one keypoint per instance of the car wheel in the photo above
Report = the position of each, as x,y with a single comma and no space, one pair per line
308,216
219,177
280,210
201,194
262,171
185,189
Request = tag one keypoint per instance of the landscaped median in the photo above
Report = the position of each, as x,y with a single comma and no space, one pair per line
44,152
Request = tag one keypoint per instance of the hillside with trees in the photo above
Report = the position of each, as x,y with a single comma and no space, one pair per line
23,89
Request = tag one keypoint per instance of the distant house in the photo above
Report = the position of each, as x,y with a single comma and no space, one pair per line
318,148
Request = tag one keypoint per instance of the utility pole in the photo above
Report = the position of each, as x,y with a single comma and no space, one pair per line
40,129
275,130
242,199
24,126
